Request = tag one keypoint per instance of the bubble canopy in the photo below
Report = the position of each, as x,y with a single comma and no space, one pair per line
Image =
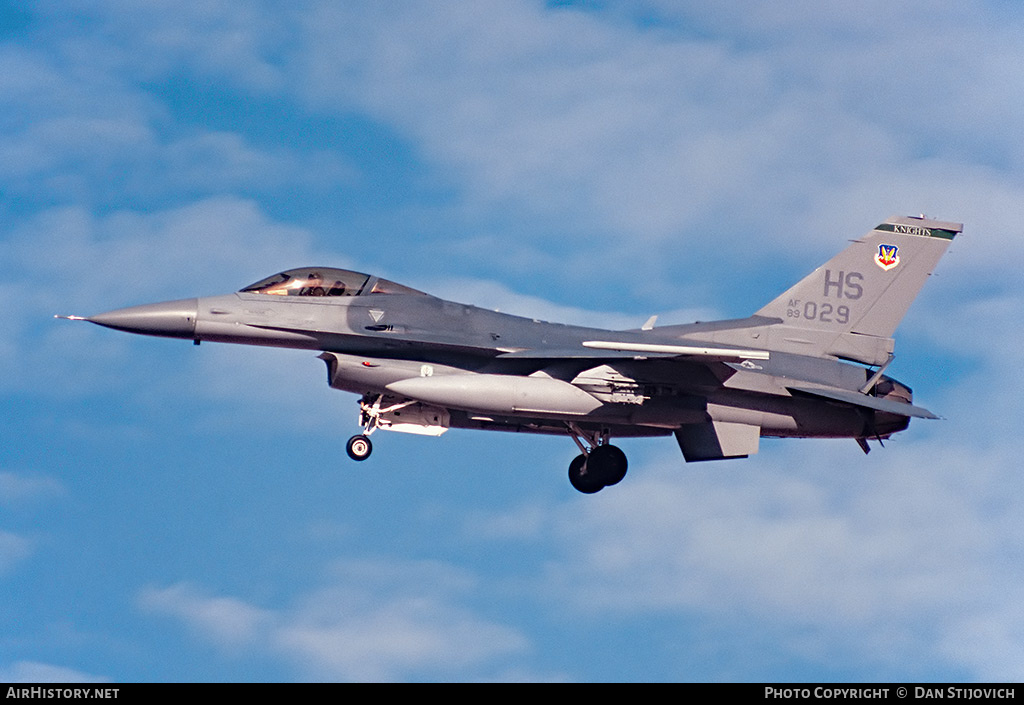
325,281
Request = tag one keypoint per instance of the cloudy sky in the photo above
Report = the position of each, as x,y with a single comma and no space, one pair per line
173,513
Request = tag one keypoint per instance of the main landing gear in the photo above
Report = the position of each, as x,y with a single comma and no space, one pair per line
601,466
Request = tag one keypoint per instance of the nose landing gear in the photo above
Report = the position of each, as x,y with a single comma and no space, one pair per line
359,446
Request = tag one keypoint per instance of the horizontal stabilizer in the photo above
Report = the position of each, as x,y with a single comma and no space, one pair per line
857,399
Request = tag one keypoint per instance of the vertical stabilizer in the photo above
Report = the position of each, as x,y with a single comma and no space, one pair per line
853,302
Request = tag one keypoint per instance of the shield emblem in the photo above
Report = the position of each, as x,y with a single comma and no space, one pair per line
887,257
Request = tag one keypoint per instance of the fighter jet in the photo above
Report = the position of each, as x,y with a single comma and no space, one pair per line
809,364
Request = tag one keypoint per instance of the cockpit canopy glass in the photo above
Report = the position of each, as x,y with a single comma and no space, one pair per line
324,281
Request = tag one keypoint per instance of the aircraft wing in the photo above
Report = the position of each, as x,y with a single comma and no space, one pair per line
886,405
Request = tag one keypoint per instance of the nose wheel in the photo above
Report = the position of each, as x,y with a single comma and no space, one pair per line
359,447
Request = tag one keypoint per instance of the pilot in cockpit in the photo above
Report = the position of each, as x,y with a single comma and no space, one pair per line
314,285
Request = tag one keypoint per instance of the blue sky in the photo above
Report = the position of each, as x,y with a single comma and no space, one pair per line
178,513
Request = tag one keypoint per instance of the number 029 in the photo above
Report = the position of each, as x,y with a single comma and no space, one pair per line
825,312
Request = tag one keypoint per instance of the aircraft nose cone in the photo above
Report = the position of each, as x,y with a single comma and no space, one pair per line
173,319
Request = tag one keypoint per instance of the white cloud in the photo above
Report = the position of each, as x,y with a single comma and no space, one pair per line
527,522
213,39
554,110
907,551
373,621
700,135
130,257
223,162
991,643
398,638
87,158
663,136
68,261
13,548
227,621
16,491
19,487
81,124
36,672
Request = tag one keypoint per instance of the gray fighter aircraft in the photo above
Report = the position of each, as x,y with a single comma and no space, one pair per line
810,363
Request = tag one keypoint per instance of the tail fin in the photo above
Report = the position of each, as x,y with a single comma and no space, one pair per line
851,305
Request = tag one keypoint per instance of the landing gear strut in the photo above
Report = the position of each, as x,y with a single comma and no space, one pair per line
601,466
370,411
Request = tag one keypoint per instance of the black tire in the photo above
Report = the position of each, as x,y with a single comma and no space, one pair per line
359,447
582,480
608,464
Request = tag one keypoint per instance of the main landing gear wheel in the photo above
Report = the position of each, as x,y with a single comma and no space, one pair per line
608,464
359,447
582,480
605,466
